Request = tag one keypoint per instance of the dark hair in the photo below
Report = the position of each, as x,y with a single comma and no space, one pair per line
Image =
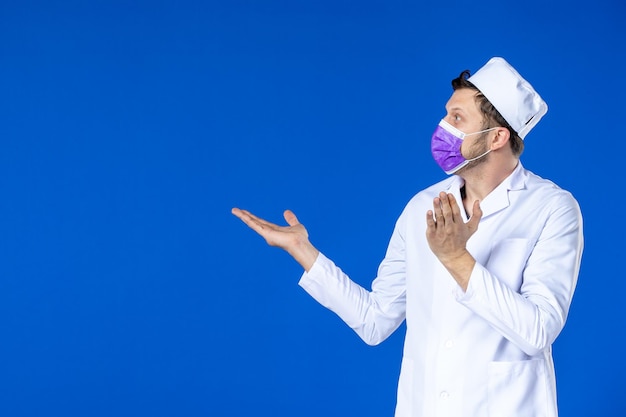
491,114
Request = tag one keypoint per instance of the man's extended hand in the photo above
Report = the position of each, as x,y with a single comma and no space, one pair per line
293,238
447,236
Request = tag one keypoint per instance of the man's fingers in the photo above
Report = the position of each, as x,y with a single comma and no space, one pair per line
243,215
236,211
430,221
260,225
477,209
446,206
437,209
454,208
477,213
261,222
255,223
291,218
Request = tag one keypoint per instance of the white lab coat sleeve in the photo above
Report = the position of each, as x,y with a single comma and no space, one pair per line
533,317
373,315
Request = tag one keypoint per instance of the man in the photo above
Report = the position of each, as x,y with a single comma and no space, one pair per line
482,265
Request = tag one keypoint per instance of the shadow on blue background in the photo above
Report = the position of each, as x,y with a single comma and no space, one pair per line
130,130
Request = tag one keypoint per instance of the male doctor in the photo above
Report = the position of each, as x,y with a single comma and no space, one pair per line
482,265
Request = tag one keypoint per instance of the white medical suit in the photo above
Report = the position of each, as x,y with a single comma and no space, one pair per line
486,351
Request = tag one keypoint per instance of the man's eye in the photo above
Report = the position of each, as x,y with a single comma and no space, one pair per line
457,118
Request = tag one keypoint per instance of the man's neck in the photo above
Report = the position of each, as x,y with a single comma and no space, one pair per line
482,180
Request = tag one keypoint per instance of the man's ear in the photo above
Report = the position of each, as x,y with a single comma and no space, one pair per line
501,138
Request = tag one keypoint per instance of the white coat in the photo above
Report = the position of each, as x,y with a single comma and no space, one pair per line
486,351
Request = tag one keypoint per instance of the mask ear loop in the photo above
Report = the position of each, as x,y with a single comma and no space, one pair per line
480,156
481,131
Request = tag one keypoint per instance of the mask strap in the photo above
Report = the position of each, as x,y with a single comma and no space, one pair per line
482,131
478,157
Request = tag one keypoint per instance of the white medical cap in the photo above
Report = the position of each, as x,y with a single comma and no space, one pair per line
514,98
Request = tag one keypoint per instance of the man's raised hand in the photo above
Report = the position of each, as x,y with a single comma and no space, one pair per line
293,238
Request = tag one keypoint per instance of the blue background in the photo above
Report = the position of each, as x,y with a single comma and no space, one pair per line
129,130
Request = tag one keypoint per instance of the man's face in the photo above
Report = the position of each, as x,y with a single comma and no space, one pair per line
464,114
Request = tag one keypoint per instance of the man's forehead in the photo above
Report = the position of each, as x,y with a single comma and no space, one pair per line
463,99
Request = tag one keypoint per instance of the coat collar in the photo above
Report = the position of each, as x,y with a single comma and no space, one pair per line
496,200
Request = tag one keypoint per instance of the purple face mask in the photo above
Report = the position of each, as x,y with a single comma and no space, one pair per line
445,146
